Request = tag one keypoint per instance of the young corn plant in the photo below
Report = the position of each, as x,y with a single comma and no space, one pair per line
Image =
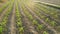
45,32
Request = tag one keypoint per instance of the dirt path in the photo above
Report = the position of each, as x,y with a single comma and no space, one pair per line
29,29
12,22
49,27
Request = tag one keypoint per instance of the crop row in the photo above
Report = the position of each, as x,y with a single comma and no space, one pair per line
50,11
4,21
19,21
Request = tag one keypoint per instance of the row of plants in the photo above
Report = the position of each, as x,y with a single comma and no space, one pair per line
50,11
39,26
46,18
3,23
55,12
19,21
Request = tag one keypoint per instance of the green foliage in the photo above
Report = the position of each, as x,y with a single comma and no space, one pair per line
35,22
53,23
30,17
19,23
40,27
1,29
47,19
21,29
45,32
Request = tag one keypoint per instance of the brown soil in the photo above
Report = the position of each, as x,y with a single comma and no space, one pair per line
12,22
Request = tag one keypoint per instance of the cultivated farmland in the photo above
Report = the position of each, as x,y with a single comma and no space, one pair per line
29,17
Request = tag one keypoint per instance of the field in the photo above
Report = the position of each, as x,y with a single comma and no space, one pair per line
29,17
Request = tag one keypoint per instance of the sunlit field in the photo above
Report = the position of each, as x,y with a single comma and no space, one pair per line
29,17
